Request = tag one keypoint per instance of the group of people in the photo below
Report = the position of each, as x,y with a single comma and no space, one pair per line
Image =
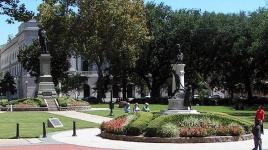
136,108
258,128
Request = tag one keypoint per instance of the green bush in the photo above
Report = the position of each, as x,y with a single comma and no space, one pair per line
168,130
62,101
210,121
67,101
193,132
4,102
138,125
34,102
40,102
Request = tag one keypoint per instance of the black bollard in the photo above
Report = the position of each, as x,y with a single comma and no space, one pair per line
44,130
74,128
18,131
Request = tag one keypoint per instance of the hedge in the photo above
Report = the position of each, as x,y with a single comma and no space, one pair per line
67,101
35,102
205,120
137,126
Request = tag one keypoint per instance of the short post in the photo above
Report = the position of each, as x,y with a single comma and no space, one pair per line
74,128
44,130
18,131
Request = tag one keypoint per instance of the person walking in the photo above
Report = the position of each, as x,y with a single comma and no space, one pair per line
259,118
257,136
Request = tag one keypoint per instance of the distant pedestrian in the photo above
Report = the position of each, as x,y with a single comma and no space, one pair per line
257,136
146,108
127,108
259,118
136,108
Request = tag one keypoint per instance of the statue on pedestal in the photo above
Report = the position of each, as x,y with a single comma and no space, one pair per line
42,36
178,76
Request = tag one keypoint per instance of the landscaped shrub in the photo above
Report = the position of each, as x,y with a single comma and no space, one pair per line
29,102
193,132
62,101
235,130
4,102
210,121
114,126
67,101
185,125
168,130
137,126
117,125
222,131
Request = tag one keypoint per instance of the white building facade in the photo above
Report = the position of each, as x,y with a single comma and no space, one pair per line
27,32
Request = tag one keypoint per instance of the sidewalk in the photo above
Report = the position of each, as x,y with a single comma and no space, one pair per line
90,138
81,116
14,142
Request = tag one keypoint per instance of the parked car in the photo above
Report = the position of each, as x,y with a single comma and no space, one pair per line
196,96
215,96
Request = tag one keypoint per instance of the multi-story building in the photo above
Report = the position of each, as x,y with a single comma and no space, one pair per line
27,32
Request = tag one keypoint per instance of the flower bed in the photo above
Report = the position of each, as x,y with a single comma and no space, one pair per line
69,102
179,126
24,103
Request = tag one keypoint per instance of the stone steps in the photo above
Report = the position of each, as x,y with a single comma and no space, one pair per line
51,105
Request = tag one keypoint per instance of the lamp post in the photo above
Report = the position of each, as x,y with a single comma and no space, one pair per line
111,104
60,95
26,84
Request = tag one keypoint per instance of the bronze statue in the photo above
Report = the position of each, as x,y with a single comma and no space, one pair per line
188,96
43,41
180,54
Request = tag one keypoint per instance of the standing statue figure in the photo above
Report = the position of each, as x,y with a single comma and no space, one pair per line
43,41
188,97
180,54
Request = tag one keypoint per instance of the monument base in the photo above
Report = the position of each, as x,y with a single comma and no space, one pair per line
171,112
46,87
176,106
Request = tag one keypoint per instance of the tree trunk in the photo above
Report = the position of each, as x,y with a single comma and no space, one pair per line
155,91
124,86
248,88
100,88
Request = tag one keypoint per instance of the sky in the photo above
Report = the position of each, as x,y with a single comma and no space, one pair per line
224,6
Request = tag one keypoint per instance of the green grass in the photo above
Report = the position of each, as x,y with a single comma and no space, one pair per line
31,124
120,111
248,114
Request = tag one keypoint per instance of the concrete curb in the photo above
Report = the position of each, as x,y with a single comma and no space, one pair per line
211,139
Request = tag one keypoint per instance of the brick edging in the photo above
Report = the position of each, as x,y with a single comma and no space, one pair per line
211,139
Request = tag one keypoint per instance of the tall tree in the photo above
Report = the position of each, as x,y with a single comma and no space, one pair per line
112,32
15,10
8,85
155,57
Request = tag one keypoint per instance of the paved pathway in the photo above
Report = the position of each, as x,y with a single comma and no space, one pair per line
51,147
90,138
8,142
81,116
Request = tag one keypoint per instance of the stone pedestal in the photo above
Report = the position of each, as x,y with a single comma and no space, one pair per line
46,87
176,103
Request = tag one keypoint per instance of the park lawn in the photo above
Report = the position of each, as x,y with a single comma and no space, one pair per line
248,114
119,111
31,124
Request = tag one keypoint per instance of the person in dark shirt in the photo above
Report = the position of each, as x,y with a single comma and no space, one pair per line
257,136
